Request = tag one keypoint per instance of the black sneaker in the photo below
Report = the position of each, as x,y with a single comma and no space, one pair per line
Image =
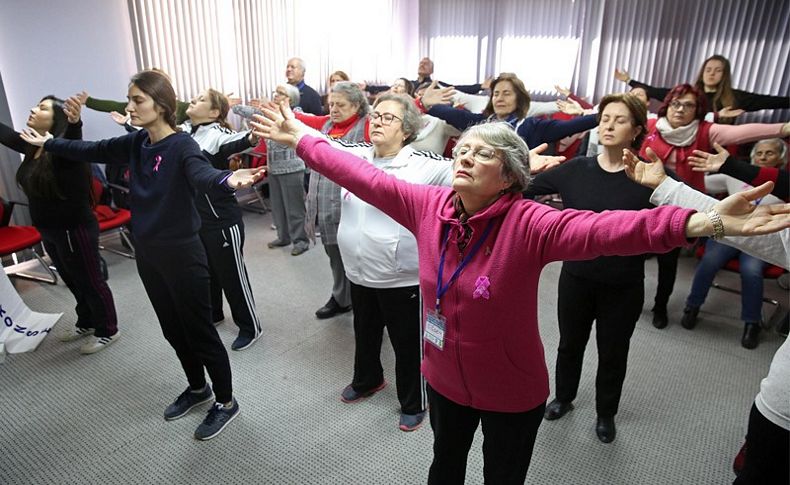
186,401
331,309
244,341
217,418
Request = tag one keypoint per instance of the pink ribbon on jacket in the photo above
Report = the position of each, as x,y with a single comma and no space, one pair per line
158,159
481,288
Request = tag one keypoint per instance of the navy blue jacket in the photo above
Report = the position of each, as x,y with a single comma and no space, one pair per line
164,178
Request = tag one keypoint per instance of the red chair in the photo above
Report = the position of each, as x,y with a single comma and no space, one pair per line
18,238
112,220
770,272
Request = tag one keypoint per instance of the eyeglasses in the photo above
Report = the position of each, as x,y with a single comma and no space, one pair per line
677,105
386,118
481,154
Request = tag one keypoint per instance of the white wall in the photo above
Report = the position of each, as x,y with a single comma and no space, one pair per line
61,48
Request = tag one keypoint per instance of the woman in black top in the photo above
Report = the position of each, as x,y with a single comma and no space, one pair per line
166,169
715,80
60,197
608,289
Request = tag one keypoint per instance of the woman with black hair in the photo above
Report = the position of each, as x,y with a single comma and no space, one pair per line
166,168
60,197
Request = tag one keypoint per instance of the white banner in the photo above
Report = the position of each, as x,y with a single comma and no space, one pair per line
21,329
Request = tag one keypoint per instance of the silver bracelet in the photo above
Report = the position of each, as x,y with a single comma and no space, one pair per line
718,225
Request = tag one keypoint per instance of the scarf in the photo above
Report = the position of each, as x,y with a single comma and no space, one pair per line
682,136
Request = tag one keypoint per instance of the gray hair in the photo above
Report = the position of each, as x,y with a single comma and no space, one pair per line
412,120
293,94
300,61
354,95
779,143
510,147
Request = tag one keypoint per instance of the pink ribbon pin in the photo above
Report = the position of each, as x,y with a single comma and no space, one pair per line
158,160
481,288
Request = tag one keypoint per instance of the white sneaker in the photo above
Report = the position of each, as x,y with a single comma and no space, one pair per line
99,343
75,333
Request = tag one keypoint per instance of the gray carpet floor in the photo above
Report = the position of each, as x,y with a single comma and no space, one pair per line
73,419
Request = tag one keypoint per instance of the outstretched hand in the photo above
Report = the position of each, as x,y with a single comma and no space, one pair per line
650,174
72,107
119,118
707,162
83,97
570,107
742,218
35,138
433,96
540,163
730,112
244,177
278,125
621,75
563,91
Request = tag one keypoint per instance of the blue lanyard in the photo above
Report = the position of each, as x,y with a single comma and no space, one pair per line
441,290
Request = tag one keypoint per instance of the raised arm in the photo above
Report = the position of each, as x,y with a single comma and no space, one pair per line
111,150
737,134
459,118
754,102
12,139
400,200
667,191
751,174
547,131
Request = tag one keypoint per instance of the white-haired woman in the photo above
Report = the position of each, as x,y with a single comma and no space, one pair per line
482,248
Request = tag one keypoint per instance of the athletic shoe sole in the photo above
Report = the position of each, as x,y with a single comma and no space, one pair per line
206,438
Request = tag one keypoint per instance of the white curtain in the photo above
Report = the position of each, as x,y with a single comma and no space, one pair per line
578,43
242,46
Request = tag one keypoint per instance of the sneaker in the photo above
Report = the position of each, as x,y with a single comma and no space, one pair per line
277,244
751,335
186,401
411,422
297,250
349,395
218,417
244,342
76,333
97,344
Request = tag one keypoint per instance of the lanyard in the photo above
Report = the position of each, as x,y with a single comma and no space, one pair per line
441,290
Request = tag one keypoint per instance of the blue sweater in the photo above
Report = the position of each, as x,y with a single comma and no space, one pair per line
164,178
534,131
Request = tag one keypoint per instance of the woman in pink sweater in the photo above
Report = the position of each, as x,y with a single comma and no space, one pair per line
481,249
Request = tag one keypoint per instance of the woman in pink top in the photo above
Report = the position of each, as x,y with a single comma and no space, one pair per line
679,130
481,250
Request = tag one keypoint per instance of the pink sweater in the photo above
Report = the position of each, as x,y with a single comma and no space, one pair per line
493,356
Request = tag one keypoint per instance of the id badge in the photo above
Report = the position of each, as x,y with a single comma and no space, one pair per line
434,329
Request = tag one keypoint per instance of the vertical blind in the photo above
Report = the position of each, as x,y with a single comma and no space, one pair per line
243,46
